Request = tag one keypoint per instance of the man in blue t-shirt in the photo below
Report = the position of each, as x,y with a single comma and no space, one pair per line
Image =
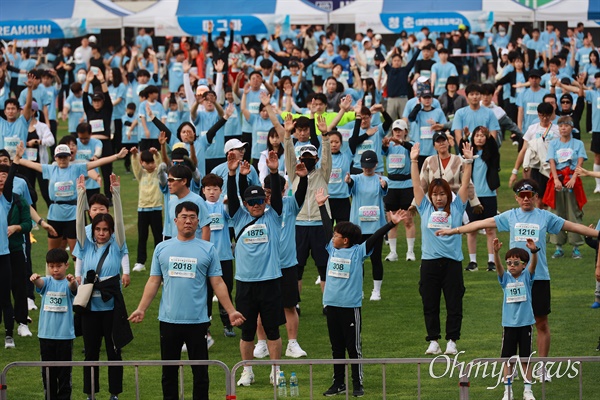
184,265
524,222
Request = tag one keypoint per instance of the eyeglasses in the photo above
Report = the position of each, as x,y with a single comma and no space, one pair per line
192,218
510,263
526,195
171,180
255,202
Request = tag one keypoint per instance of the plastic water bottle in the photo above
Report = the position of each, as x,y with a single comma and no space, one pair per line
294,389
281,386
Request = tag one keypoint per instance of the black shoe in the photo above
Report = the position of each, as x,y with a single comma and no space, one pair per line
598,348
358,391
472,267
335,389
491,266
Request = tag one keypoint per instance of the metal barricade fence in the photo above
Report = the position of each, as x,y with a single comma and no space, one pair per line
136,364
362,361
465,378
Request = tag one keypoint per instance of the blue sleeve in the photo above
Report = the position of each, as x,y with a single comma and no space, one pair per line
502,222
551,151
520,99
494,125
46,171
581,150
214,268
457,122
555,223
155,268
204,211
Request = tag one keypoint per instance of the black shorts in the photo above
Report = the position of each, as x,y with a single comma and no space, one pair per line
318,80
289,287
490,209
311,239
398,199
540,298
595,146
259,298
64,229
521,336
340,209
540,179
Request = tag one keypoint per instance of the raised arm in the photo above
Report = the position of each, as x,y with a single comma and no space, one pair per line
232,190
321,199
18,160
467,151
107,160
414,174
115,189
265,99
276,199
82,206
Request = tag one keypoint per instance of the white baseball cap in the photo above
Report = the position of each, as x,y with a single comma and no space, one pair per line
233,144
400,124
62,150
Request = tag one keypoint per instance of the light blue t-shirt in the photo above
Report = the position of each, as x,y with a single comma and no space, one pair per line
410,105
252,104
257,249
517,309
62,187
159,112
219,230
185,267
84,154
233,126
371,143
483,116
530,100
75,113
56,310
116,93
204,121
175,76
340,166
530,224
423,131
11,133
433,220
127,122
345,275
479,177
593,97
223,171
260,133
566,154
287,249
367,209
443,72
20,187
398,163
4,210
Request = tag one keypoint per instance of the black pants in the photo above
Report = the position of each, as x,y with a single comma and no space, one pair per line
146,144
211,163
107,150
127,160
54,129
95,326
376,263
152,220
6,308
60,377
32,176
63,94
172,337
437,276
118,135
19,285
340,209
344,326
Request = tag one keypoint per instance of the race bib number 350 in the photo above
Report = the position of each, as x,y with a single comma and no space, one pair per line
182,267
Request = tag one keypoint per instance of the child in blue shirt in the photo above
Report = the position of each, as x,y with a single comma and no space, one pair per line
343,290
517,309
56,329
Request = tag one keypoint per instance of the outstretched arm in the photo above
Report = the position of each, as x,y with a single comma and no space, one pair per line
321,199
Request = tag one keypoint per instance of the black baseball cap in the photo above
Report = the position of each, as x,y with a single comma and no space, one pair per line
254,193
368,159
439,135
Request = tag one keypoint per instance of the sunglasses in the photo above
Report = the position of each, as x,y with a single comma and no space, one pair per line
255,202
171,180
565,102
526,195
511,263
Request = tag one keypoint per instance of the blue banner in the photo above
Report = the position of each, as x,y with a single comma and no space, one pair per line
329,5
243,24
437,22
37,29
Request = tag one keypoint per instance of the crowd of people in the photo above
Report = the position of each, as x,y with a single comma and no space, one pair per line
293,144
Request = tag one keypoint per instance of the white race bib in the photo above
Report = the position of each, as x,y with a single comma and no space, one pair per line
524,231
368,213
10,145
336,175
255,234
182,267
346,133
439,220
64,189
216,221
253,108
364,146
77,106
426,132
172,117
55,302
515,292
83,155
564,155
531,108
261,137
97,125
396,161
31,154
338,267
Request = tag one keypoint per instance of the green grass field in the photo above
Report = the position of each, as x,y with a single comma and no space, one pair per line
392,327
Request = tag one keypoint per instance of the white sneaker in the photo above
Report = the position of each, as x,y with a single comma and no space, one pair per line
272,377
375,295
318,281
294,350
506,395
184,348
538,376
392,257
23,330
215,299
261,350
31,304
138,267
597,189
451,347
209,341
9,342
410,256
246,379
434,348
528,395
